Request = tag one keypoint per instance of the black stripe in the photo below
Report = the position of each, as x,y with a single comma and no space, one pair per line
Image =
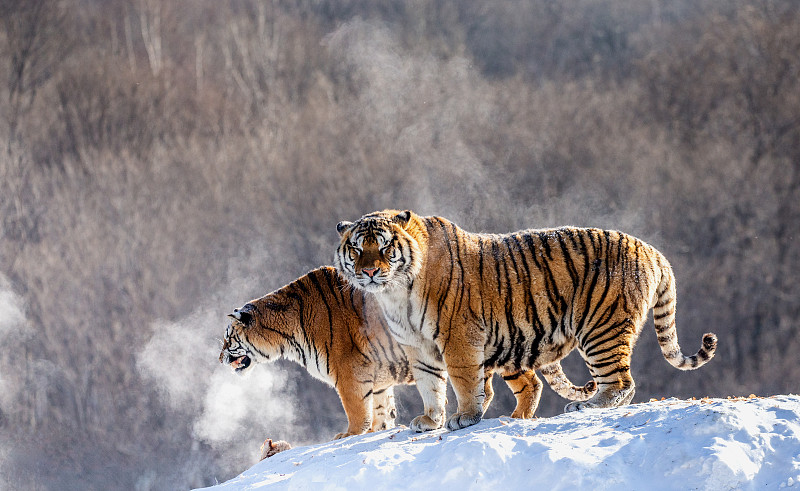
607,288
595,354
622,261
601,334
604,365
516,339
496,257
461,279
605,317
434,372
323,297
480,259
276,307
550,283
588,301
444,291
619,369
658,317
499,352
526,278
573,273
613,356
355,346
301,317
545,245
662,328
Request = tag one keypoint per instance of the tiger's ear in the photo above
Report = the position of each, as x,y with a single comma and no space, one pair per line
342,227
402,218
244,316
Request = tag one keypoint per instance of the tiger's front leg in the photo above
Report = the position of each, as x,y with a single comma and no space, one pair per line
465,367
527,389
431,380
357,400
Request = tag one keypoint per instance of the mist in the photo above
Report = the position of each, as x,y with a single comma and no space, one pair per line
228,411
13,332
164,163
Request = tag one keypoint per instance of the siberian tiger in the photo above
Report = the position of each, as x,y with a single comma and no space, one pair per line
340,336
521,301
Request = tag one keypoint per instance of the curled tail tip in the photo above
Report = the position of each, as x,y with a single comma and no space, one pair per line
682,362
590,387
710,341
706,352
709,346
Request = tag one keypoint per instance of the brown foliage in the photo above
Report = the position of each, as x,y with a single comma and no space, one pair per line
160,160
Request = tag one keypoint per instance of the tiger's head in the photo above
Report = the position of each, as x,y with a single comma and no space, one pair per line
245,344
377,251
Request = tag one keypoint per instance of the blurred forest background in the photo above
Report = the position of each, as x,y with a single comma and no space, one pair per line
161,163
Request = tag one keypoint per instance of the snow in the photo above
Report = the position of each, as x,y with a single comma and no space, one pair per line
707,444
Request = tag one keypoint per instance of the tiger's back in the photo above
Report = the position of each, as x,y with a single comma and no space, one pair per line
518,301
544,292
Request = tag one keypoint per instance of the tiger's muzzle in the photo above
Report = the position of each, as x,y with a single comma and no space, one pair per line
239,364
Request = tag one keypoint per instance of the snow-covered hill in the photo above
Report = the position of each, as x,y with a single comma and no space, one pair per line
709,444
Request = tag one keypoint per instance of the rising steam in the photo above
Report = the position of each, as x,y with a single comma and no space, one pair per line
228,411
12,330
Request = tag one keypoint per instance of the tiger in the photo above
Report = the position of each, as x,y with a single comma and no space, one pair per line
339,335
519,301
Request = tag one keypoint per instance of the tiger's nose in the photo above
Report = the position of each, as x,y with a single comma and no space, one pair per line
369,271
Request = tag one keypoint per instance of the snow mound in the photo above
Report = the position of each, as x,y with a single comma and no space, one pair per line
709,444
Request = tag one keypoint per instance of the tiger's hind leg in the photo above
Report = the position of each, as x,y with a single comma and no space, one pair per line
384,410
488,390
609,394
527,389
607,352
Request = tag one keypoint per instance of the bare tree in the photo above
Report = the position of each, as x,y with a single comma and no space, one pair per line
35,44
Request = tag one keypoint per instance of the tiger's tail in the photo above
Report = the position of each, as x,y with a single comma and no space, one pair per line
558,381
664,319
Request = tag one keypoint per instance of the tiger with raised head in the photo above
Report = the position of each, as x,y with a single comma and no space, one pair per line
340,336
521,301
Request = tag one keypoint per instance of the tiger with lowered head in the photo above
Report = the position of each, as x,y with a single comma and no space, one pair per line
520,301
340,336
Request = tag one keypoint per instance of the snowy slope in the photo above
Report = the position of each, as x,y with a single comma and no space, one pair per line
713,444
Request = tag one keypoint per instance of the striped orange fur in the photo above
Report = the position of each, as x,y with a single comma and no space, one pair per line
340,336
470,302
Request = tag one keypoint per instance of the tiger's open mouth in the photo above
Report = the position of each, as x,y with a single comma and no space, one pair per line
240,364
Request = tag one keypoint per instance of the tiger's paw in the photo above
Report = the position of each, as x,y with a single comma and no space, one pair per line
522,414
462,420
424,422
344,434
